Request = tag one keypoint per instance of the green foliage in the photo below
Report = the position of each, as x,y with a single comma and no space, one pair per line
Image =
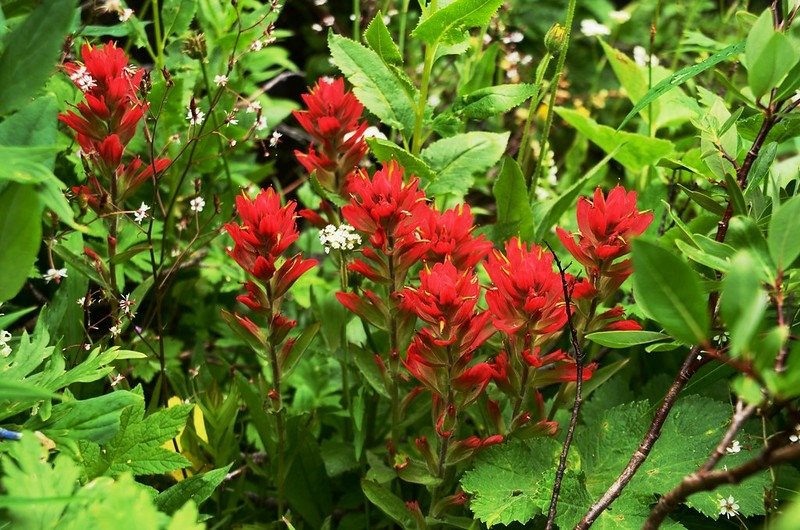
492,101
20,236
455,160
784,245
514,215
770,55
448,23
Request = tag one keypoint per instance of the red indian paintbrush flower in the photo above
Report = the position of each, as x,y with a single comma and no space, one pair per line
606,226
266,232
526,294
332,119
449,236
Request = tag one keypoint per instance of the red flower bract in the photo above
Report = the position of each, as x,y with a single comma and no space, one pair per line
606,226
449,236
527,293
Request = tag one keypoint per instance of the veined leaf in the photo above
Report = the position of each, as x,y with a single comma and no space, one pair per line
447,24
380,40
456,159
495,100
625,339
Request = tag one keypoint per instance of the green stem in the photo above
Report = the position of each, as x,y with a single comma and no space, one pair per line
562,57
213,119
157,34
277,409
403,22
523,155
394,362
357,20
345,362
430,54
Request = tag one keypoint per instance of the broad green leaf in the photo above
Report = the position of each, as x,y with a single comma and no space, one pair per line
389,503
196,488
493,101
307,487
7,319
34,124
455,160
769,54
177,16
374,83
625,339
385,150
565,201
680,77
20,236
28,475
744,233
23,391
448,23
786,129
634,151
380,40
761,166
514,215
784,227
31,52
742,302
512,482
669,291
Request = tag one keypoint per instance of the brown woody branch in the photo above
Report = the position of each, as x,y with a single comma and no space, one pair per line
576,407
706,480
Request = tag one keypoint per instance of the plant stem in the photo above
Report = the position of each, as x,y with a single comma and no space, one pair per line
394,355
157,34
345,362
402,31
357,20
562,57
416,143
523,154
277,409
576,407
213,117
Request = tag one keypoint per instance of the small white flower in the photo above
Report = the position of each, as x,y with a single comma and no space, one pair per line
111,6
592,28
175,139
115,330
197,204
261,123
620,17
728,507
232,143
54,274
316,27
221,80
125,304
328,21
794,438
513,58
487,39
83,79
5,349
329,80
256,46
513,37
125,15
374,132
733,448
434,100
231,119
640,57
253,107
526,59
320,2
141,214
342,237
195,117
275,138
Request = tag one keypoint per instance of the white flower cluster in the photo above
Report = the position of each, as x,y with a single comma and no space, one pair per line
5,349
795,438
734,447
640,57
728,507
54,275
83,79
342,237
592,28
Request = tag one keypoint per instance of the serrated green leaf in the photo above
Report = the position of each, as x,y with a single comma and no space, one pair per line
448,23
784,227
492,101
31,52
669,291
455,160
374,83
385,150
634,151
177,16
196,489
380,40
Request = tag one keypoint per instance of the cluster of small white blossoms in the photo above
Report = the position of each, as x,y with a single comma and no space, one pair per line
5,336
83,79
342,237
115,6
592,28
125,304
54,275
141,214
197,204
327,22
620,17
728,507
641,58
795,438
195,116
734,447
221,80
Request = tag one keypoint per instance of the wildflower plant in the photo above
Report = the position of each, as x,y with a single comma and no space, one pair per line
457,264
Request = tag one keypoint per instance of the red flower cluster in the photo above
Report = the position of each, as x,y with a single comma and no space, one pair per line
332,120
448,235
606,226
267,231
107,120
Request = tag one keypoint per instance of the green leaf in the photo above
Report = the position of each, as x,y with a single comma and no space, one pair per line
385,150
23,391
301,344
307,487
448,23
742,302
784,226
388,503
456,159
514,215
20,236
492,101
769,55
196,488
680,77
625,339
31,52
634,151
380,40
669,291
512,482
34,124
177,16
374,83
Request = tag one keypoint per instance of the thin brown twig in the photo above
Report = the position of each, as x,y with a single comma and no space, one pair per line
576,407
